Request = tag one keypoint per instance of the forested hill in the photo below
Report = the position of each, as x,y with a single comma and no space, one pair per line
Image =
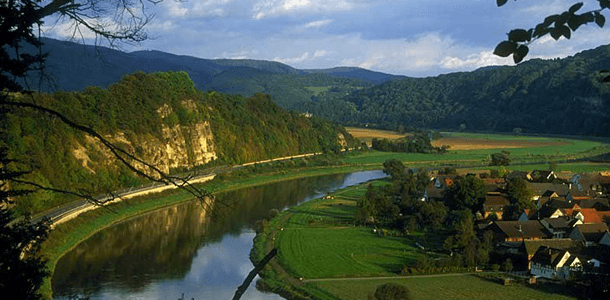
72,67
163,119
564,96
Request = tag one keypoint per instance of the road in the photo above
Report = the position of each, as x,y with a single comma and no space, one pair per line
71,210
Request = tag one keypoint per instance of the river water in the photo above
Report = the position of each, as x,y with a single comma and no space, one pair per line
184,249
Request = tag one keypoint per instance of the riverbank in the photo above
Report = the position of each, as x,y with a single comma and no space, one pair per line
66,236
323,255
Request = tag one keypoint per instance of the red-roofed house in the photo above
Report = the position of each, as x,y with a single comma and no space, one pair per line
586,215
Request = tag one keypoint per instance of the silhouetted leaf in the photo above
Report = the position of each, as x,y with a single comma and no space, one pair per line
587,17
604,3
600,20
575,7
603,71
520,53
562,19
550,19
540,30
607,79
505,48
501,2
555,33
565,31
519,35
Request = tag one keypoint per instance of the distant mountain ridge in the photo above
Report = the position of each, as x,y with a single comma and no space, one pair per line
77,66
563,96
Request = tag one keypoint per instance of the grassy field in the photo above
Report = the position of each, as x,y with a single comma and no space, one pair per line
320,233
460,287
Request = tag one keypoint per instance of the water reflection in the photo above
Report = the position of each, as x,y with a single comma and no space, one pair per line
181,249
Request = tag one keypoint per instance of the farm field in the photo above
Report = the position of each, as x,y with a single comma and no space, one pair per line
466,287
367,135
473,149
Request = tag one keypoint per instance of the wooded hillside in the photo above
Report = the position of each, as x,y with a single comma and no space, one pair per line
161,118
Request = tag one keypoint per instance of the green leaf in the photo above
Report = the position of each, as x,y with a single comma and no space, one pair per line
520,53
600,20
575,7
519,35
505,48
501,2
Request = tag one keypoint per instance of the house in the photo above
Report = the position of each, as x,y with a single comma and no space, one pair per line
495,203
527,214
586,215
543,175
530,247
517,231
605,240
560,226
520,174
555,264
591,234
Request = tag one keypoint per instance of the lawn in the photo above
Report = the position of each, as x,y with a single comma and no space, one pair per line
466,287
319,241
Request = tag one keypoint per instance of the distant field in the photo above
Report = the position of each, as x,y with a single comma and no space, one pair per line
473,149
474,143
367,135
317,90
463,287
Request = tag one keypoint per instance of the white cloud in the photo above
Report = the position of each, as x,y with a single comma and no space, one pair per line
267,8
474,61
318,24
293,60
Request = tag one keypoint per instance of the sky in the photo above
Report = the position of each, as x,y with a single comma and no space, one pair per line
404,37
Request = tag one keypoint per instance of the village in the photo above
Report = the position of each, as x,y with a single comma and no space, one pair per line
563,237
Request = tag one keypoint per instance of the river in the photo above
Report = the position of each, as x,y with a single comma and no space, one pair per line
184,249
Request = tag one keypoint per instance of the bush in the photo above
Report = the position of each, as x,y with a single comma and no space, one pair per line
392,291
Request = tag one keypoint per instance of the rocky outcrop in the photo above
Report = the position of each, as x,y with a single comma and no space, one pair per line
177,146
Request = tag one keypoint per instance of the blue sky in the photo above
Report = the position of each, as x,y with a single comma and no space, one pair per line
406,37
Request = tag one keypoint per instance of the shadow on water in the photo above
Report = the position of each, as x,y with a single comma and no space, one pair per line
180,249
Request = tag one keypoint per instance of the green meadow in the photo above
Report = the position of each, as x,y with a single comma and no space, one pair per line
320,233
456,287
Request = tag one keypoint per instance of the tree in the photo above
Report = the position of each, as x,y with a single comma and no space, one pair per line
520,193
500,159
556,25
394,168
465,192
392,291
22,269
